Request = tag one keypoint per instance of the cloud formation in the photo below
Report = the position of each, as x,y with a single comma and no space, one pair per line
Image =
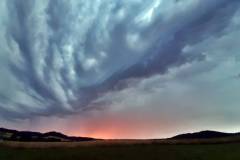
62,57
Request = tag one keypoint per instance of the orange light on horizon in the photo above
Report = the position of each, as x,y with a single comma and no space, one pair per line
120,127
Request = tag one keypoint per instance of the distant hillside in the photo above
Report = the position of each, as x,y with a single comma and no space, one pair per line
205,135
28,136
14,135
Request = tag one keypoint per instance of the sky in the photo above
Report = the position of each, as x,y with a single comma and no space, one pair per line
120,68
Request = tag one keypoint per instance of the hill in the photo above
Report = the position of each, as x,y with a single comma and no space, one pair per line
27,136
205,135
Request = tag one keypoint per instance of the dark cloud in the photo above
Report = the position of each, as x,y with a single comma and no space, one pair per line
162,57
62,55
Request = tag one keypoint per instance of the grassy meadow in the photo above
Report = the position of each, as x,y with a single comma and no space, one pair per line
119,150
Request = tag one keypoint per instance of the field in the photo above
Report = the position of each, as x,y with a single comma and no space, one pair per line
120,150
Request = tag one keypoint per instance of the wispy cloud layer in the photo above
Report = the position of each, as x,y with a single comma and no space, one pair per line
174,57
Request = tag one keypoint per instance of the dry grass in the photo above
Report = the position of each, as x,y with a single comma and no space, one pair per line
116,143
218,149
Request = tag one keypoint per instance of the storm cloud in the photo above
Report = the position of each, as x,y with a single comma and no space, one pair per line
64,57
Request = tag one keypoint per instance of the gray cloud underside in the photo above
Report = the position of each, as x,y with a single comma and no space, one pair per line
63,56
